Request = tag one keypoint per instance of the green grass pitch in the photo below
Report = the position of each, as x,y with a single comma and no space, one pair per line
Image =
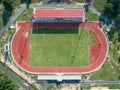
59,47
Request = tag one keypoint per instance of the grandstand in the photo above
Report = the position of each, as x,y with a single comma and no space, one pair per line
58,15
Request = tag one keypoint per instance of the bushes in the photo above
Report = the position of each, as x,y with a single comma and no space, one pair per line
6,83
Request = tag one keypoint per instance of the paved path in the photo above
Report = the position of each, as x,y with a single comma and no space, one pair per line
15,77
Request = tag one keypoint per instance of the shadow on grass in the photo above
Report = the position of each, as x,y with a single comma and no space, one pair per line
55,31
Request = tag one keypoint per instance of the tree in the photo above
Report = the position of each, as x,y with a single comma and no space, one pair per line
10,4
26,1
116,6
6,83
117,19
87,1
0,1
114,48
108,10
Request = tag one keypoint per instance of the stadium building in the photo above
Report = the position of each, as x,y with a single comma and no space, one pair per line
65,19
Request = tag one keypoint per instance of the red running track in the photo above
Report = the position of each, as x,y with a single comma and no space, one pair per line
20,47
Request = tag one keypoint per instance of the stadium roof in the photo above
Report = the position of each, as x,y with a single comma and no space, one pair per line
58,13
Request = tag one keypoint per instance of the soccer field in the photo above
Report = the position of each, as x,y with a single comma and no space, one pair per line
59,47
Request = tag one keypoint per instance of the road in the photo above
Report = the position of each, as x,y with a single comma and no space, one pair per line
15,77
100,82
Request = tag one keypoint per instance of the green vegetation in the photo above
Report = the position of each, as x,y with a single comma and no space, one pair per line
110,69
112,86
6,83
92,40
13,3
32,86
30,1
52,87
8,9
25,16
59,47
110,8
10,4
4,39
80,1
90,16
100,4
106,73
1,11
117,19
113,6
35,1
83,1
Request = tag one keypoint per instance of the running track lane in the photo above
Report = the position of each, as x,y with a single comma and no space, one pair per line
25,27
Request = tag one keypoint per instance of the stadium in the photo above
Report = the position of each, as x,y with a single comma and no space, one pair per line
59,43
